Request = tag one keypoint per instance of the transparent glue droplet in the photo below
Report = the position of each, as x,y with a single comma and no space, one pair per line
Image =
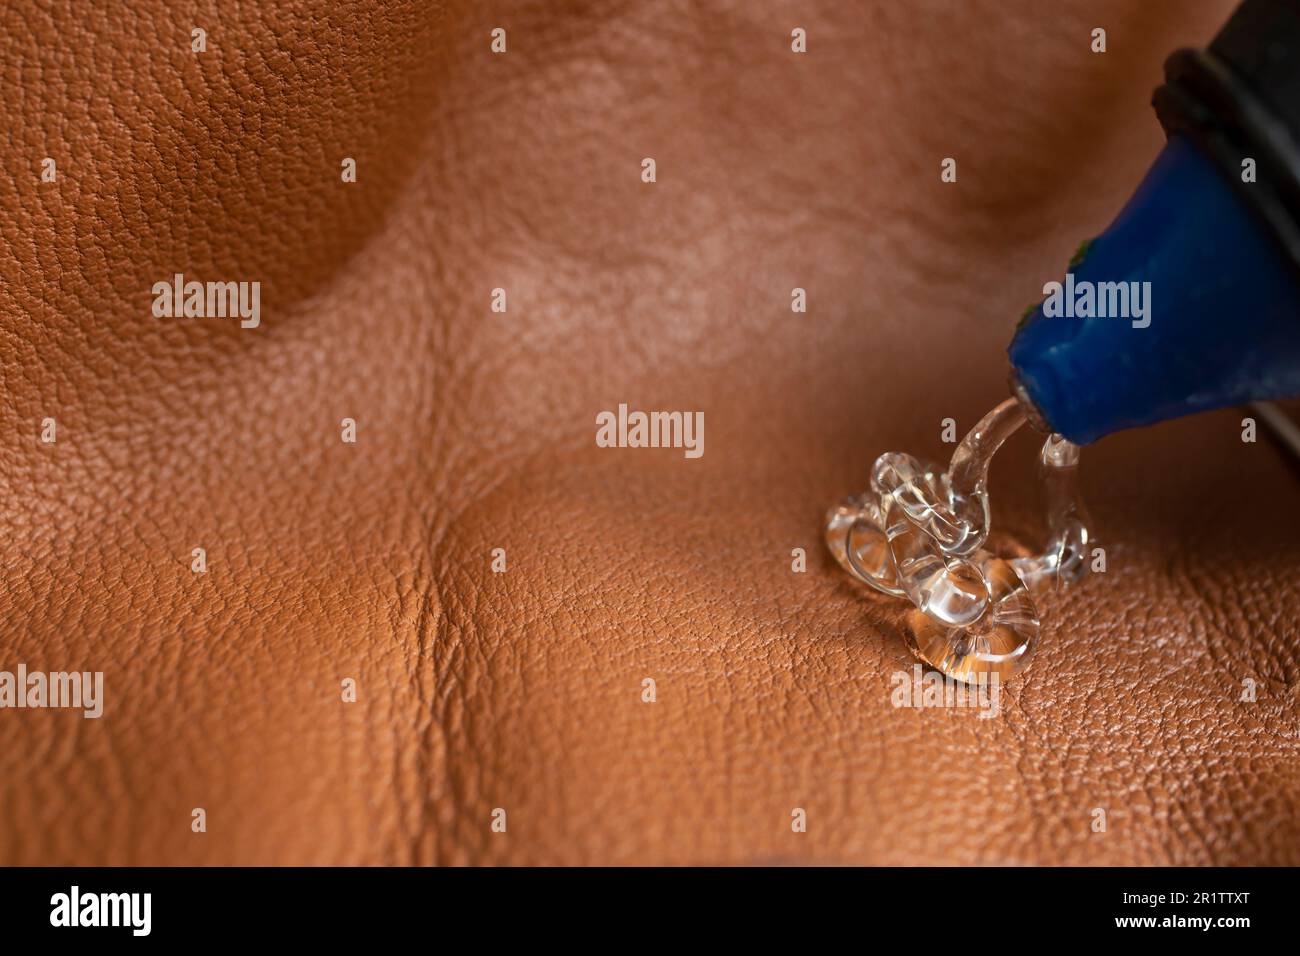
945,586
855,536
920,533
1000,642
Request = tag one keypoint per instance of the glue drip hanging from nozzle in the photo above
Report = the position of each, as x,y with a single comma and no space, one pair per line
1190,300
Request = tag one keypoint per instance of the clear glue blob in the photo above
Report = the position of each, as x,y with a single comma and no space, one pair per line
919,533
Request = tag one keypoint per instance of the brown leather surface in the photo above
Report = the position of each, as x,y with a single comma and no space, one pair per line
522,690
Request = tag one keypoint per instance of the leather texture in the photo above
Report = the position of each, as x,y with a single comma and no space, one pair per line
475,431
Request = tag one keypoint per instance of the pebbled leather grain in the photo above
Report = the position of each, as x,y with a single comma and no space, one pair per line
522,690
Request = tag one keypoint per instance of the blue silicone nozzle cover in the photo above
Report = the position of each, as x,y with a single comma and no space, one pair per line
1223,310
